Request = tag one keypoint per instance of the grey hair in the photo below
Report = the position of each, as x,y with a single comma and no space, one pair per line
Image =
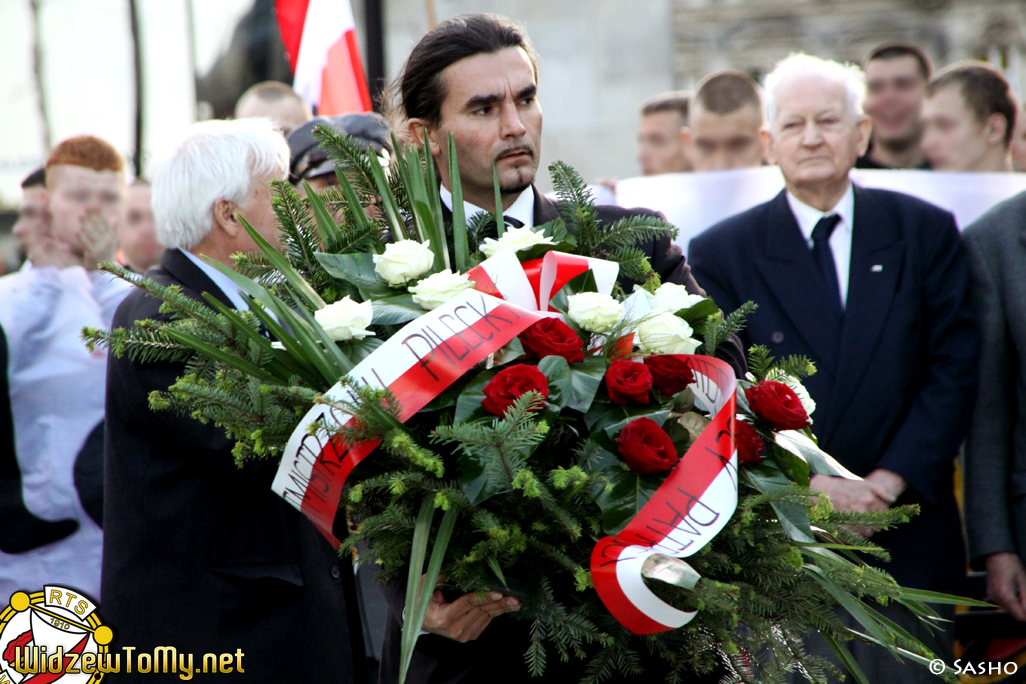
799,64
210,161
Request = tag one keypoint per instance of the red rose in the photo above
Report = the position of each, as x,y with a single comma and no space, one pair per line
778,405
628,381
748,442
510,384
646,448
552,337
670,374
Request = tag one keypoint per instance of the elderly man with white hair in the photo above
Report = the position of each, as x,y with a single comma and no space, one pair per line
871,285
201,555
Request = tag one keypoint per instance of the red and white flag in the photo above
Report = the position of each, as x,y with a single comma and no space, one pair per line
320,39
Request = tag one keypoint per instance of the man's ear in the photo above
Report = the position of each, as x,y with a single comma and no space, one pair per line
994,129
426,136
865,129
226,217
767,146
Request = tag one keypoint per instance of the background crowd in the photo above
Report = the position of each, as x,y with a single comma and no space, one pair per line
914,324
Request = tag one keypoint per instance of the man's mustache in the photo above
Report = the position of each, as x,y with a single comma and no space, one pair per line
515,150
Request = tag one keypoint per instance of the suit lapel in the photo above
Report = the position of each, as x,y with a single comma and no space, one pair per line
877,253
545,210
192,276
790,273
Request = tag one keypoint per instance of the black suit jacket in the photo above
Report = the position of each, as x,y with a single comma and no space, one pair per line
897,374
201,555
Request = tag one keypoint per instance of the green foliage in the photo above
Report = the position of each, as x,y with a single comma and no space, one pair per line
525,487
718,329
763,366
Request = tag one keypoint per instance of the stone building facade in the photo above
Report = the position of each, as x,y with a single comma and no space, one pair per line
601,58
753,35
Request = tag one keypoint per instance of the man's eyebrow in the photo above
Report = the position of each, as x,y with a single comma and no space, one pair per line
485,100
482,101
529,91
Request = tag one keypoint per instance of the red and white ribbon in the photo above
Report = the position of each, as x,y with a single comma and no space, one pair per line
685,513
417,364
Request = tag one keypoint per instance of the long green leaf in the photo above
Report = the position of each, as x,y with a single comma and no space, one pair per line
948,670
434,566
415,584
224,357
435,203
279,261
500,221
326,225
851,604
937,597
402,166
285,364
329,360
459,218
845,656
352,201
388,203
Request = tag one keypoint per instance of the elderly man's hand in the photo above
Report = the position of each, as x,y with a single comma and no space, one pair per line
99,241
862,496
1006,583
465,618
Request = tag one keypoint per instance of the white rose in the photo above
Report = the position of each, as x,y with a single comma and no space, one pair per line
346,319
673,298
594,312
808,403
664,333
439,288
403,261
516,239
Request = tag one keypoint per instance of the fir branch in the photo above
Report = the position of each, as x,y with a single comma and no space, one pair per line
718,329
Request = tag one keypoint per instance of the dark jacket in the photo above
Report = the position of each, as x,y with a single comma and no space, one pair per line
995,453
896,374
201,555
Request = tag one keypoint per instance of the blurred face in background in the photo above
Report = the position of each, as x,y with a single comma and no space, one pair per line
814,136
661,145
895,90
1018,147
954,139
286,113
73,192
31,217
137,235
719,142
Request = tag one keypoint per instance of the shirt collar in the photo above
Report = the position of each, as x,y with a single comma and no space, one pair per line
522,209
230,289
808,217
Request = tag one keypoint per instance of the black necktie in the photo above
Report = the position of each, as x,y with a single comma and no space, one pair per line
512,222
824,257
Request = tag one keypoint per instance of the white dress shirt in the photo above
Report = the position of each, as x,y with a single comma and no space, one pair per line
226,284
840,239
57,390
522,210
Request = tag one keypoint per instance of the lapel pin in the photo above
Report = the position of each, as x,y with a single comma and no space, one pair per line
877,268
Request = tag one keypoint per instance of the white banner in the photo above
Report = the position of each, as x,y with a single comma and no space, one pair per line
696,201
